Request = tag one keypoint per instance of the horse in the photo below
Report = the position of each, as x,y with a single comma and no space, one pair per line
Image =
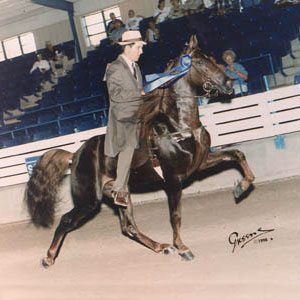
171,135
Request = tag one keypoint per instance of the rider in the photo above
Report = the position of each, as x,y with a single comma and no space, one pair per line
124,83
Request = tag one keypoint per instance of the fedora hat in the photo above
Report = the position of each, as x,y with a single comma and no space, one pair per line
131,37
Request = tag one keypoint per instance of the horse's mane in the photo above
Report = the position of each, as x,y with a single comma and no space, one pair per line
155,101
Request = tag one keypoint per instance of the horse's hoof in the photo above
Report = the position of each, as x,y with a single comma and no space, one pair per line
187,255
238,190
46,262
169,250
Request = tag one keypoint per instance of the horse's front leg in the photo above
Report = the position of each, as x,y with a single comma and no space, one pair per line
129,228
174,192
214,158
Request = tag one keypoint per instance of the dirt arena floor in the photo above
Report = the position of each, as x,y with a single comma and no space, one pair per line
97,262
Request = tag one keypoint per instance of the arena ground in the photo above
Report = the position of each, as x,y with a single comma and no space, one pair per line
97,262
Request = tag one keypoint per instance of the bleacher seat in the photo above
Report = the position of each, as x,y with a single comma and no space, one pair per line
45,116
67,126
91,104
48,99
296,79
68,110
87,122
44,131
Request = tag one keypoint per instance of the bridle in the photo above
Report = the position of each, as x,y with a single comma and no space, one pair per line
208,85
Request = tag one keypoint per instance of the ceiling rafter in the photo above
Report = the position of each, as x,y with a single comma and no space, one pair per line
56,4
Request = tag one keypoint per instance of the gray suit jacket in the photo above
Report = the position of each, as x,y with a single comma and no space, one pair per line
123,128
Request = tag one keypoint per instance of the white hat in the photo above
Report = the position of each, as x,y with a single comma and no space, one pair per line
131,37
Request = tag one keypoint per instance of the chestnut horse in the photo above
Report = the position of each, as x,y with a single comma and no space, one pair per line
171,131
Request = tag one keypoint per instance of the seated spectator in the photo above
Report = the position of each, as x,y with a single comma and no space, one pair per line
193,6
236,72
152,33
177,10
285,2
133,21
116,34
209,6
223,6
111,25
162,12
40,72
55,57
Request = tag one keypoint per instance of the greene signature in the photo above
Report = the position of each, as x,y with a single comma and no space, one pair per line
242,241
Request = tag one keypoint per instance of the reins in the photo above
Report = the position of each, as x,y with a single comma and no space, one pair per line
207,86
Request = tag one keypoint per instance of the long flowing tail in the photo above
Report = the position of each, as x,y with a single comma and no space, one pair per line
43,186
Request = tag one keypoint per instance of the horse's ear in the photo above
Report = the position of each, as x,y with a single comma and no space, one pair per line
193,42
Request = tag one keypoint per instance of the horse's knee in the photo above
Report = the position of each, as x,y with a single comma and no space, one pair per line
234,155
240,155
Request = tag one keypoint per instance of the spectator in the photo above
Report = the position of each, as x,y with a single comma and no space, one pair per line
40,72
54,57
193,6
209,6
223,6
152,33
236,72
162,12
116,34
111,25
133,21
177,10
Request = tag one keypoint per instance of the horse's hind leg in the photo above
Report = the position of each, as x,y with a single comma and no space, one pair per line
68,222
129,228
215,158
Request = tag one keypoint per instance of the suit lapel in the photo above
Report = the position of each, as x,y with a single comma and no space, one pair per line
129,71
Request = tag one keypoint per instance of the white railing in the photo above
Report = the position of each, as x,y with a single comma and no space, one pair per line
253,117
246,118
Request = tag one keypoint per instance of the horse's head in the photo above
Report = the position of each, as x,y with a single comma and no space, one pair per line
205,74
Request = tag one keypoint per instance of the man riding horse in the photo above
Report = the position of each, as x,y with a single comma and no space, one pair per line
124,83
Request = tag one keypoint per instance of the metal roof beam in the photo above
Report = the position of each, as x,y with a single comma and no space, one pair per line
57,4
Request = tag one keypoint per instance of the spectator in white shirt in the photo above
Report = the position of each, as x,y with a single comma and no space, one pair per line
40,72
177,10
133,21
193,6
162,12
116,34
152,33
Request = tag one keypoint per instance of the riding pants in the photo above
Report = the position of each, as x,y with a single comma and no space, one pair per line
123,169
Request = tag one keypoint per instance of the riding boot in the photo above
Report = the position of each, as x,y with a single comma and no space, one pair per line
121,198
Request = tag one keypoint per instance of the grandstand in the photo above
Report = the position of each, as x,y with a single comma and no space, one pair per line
266,39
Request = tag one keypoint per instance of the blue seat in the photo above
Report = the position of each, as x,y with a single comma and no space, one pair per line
44,132
46,116
66,126
48,99
69,110
296,79
87,122
27,119
8,141
91,104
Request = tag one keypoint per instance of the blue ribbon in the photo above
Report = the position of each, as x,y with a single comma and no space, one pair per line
156,80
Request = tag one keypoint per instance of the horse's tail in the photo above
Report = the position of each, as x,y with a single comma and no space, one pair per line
43,186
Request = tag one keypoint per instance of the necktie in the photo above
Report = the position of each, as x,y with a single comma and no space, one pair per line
134,71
